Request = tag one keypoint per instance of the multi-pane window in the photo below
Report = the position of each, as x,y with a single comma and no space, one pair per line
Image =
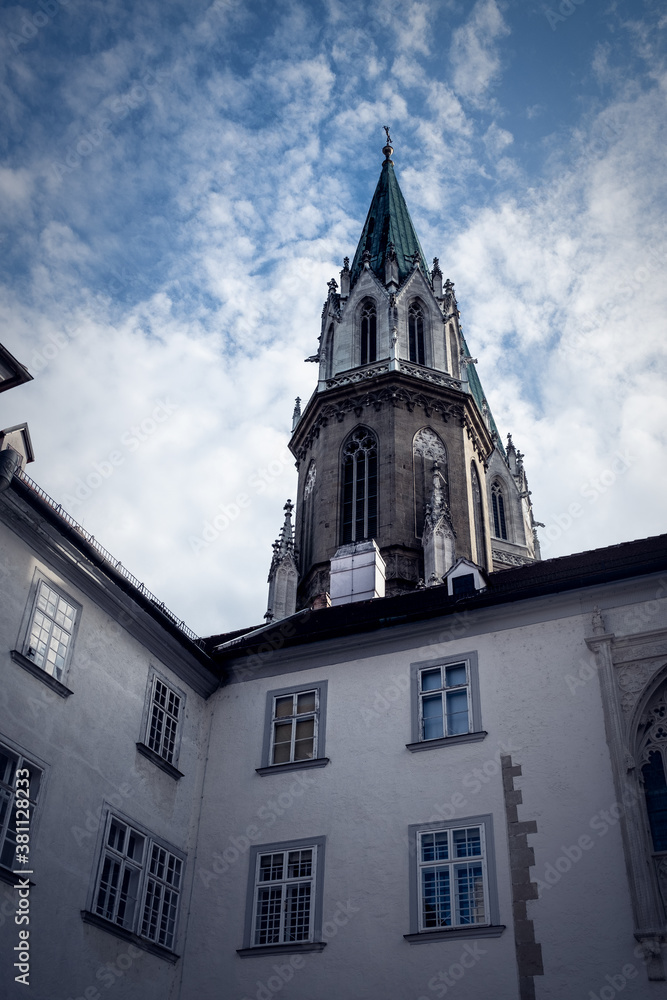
163,720
416,334
452,878
498,508
444,700
50,633
13,803
368,332
139,883
294,727
360,487
284,896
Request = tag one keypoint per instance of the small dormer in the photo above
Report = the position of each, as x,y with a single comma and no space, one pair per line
17,439
464,579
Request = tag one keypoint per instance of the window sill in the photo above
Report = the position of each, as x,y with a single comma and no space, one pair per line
40,673
8,876
125,935
281,949
293,765
159,761
485,931
445,741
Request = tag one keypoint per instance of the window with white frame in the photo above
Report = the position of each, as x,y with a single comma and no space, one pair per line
445,702
14,798
284,896
164,717
295,728
284,907
138,884
453,882
452,878
49,636
444,697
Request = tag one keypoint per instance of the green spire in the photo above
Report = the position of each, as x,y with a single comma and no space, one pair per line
388,221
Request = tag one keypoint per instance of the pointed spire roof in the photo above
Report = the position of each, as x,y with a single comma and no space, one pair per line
284,544
388,221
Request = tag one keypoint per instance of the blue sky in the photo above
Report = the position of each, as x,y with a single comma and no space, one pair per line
179,181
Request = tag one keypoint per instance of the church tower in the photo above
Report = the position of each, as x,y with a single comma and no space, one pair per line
401,467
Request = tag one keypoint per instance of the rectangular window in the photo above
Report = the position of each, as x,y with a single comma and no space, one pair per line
49,638
163,720
10,762
453,879
295,725
444,700
284,905
139,883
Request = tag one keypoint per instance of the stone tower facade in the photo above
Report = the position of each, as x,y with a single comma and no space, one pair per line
397,443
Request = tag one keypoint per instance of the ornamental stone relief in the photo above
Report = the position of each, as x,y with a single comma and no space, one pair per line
632,678
429,445
310,481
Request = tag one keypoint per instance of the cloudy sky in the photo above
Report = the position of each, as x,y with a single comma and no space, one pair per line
179,180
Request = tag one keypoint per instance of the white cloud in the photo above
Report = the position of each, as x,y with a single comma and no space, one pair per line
474,52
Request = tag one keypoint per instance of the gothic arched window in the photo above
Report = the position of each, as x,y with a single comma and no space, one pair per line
478,514
368,332
306,548
652,756
416,333
327,352
360,487
427,449
498,508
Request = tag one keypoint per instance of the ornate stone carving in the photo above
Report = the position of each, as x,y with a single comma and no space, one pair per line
654,726
632,678
310,481
509,558
358,375
429,445
395,395
598,621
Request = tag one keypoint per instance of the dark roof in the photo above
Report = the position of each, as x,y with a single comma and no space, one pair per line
388,221
550,576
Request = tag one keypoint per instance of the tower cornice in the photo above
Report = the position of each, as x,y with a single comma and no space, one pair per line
399,389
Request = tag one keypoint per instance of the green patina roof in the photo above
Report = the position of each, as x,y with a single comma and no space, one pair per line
477,393
388,221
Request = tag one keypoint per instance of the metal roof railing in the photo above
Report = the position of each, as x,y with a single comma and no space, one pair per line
115,564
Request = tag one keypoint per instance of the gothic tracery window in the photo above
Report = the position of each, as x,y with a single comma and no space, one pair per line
306,548
368,332
427,449
652,758
416,333
360,487
498,509
478,514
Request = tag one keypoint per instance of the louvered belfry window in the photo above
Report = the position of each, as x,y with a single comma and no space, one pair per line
360,487
416,334
498,505
368,332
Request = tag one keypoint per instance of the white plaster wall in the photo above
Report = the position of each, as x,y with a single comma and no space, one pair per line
374,788
88,742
